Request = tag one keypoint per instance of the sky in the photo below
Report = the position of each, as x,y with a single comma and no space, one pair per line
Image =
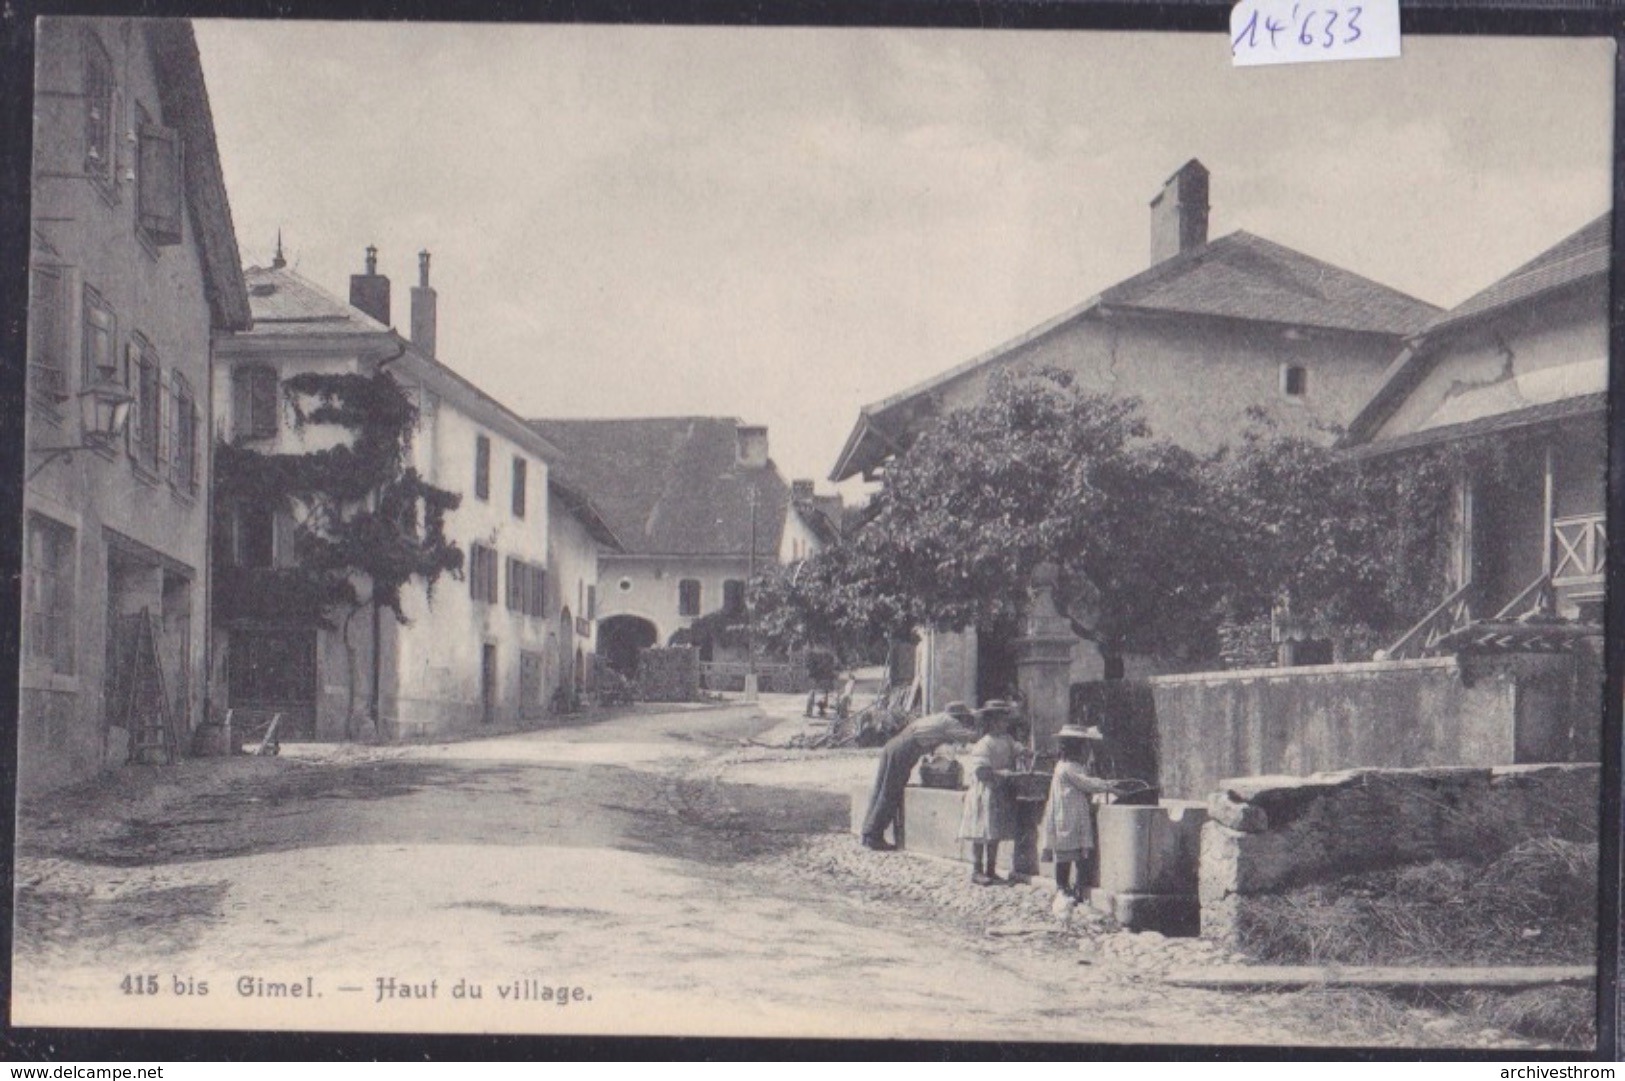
785,224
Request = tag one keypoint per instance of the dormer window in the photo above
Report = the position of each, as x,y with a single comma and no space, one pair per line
1294,380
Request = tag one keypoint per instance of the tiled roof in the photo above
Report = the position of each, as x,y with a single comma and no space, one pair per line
1242,276
1239,276
1583,254
671,485
1555,412
283,302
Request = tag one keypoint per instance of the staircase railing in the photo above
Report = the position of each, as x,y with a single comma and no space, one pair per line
1453,613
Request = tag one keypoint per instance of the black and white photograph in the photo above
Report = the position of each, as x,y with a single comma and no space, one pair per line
815,532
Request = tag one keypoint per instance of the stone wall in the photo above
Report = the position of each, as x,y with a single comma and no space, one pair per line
1267,835
669,675
1444,711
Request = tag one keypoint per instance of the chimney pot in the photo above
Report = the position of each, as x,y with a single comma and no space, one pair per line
1179,213
802,490
425,308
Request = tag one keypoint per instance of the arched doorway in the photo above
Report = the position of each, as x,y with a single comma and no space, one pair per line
620,638
567,635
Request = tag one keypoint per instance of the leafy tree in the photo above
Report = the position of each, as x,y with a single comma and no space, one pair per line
1035,471
367,521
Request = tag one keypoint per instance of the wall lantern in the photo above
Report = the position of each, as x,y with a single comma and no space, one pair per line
104,410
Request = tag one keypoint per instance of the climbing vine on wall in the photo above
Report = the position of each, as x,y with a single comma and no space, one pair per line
367,522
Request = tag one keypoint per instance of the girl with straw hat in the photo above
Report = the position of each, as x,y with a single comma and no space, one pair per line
1069,819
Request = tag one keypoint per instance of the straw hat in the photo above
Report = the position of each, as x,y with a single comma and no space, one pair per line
959,710
1073,731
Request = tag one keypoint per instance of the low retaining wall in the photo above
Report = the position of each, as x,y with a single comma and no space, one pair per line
1444,711
1267,835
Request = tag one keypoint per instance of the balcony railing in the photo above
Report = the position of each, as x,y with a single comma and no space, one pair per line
1579,549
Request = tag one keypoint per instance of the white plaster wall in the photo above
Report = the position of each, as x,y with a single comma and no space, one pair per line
438,655
1198,379
797,540
289,438
1516,343
653,587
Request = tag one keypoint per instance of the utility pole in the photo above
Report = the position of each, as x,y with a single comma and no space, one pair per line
750,605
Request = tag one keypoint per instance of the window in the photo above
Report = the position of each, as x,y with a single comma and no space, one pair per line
482,573
591,607
48,588
526,587
1294,380
482,467
101,108
688,597
733,596
254,401
520,469
141,376
159,201
254,544
47,342
183,438
100,339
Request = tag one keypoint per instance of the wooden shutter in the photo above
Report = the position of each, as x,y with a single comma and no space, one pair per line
519,472
482,467
262,404
160,195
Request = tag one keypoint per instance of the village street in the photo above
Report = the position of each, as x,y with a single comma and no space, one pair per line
685,880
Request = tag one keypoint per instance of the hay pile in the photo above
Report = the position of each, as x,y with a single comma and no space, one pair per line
1534,904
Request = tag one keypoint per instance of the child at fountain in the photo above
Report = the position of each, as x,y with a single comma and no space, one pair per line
989,816
1069,818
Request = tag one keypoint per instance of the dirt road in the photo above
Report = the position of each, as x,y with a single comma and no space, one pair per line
624,877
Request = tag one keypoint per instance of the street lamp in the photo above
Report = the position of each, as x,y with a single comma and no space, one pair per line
104,410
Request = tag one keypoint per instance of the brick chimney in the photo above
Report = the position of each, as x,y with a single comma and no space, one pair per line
370,291
423,308
752,445
801,491
1179,213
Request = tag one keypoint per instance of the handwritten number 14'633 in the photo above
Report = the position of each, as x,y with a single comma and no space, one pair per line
1327,27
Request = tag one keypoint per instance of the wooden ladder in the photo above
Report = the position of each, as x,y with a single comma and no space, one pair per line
147,709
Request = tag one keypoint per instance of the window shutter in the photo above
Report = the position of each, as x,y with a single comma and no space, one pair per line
165,420
262,410
160,195
194,418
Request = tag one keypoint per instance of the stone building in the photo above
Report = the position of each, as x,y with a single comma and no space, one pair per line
695,502
1210,333
133,274
493,648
